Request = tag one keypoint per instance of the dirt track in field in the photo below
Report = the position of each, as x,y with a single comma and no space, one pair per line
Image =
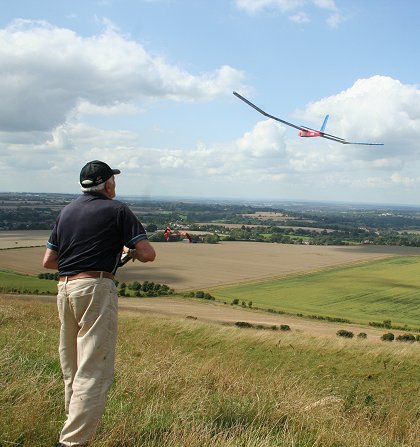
226,314
184,266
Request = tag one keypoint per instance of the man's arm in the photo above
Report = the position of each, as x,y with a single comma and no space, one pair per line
50,259
144,251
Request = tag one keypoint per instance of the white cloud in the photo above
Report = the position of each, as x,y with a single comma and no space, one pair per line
253,6
286,6
300,17
369,183
48,71
265,140
87,108
399,179
377,109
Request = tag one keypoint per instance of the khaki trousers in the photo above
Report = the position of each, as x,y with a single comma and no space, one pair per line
87,310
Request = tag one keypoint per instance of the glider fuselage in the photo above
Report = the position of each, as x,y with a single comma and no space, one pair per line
309,133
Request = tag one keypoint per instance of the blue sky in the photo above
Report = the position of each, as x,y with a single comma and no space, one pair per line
147,87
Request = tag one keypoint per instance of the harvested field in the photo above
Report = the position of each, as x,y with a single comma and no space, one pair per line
17,239
200,266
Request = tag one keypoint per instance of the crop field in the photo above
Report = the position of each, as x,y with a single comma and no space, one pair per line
20,238
376,291
185,266
24,283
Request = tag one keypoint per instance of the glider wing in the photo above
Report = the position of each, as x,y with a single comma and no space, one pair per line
265,113
342,141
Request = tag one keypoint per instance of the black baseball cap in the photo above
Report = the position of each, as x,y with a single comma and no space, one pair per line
96,172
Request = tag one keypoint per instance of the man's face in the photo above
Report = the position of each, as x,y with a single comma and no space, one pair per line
110,187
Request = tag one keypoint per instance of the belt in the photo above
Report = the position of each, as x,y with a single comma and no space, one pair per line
87,275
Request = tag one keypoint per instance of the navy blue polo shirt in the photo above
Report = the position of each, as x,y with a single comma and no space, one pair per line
90,233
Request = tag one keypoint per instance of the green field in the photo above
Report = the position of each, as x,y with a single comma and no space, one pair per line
375,291
21,283
183,383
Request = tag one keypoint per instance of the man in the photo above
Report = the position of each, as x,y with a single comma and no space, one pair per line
85,246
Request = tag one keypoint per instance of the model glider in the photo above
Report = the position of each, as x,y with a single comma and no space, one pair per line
306,132
169,232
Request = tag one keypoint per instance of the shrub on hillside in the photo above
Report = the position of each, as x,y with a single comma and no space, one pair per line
284,327
362,335
243,324
149,289
385,324
407,338
50,276
344,333
389,336
204,295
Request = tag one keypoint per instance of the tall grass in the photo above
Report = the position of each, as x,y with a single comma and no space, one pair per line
190,384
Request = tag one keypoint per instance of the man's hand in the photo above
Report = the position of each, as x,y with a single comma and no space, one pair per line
127,254
143,252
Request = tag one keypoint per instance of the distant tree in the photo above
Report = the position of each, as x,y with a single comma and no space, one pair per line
211,239
136,285
157,237
151,228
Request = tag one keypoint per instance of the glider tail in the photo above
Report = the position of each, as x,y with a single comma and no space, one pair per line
324,123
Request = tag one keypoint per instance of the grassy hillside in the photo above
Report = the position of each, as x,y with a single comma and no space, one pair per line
186,383
374,291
